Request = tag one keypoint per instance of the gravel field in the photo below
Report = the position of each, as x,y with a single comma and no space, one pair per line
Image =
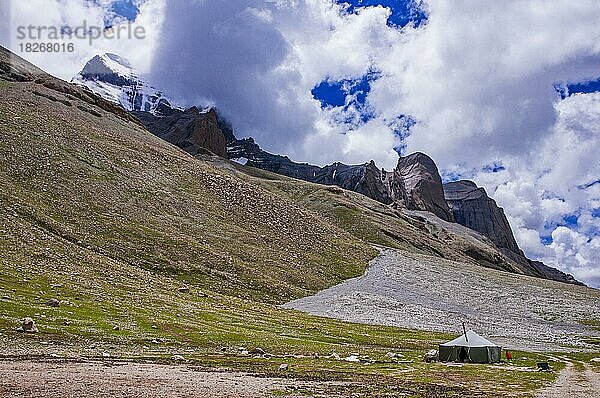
129,379
429,293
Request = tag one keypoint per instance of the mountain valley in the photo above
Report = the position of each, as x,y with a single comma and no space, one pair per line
159,248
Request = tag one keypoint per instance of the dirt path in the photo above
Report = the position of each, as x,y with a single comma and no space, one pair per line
574,383
127,379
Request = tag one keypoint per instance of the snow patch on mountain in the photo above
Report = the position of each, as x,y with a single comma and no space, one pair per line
113,78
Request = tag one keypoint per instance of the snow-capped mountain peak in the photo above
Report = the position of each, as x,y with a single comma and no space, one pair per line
112,77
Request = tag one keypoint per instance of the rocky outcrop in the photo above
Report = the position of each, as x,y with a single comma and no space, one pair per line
27,326
414,184
422,185
246,149
191,130
366,178
474,209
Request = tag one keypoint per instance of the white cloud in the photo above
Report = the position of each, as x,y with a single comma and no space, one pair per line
577,254
543,186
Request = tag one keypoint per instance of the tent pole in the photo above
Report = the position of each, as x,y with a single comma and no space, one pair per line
465,331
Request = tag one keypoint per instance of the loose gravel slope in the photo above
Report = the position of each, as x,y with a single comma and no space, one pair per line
423,292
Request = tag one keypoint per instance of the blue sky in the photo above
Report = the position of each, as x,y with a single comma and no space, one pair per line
586,86
127,9
353,92
403,11
347,94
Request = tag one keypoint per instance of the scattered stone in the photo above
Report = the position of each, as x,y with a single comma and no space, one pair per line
53,302
352,358
105,355
283,367
258,351
27,326
394,355
336,357
116,327
431,356
155,341
184,289
202,294
154,327
178,358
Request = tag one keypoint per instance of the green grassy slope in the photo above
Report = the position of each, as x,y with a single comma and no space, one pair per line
105,184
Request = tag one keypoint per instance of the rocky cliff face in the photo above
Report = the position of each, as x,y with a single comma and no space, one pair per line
366,179
414,184
474,209
191,130
422,185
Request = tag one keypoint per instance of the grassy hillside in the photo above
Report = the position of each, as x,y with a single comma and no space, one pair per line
373,222
104,184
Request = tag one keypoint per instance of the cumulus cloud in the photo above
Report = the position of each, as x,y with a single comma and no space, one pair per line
577,254
258,61
553,182
480,75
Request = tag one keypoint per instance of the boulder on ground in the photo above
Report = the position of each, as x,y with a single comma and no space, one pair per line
53,302
27,326
258,351
431,356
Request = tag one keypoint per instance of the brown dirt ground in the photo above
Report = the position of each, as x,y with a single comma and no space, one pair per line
128,379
